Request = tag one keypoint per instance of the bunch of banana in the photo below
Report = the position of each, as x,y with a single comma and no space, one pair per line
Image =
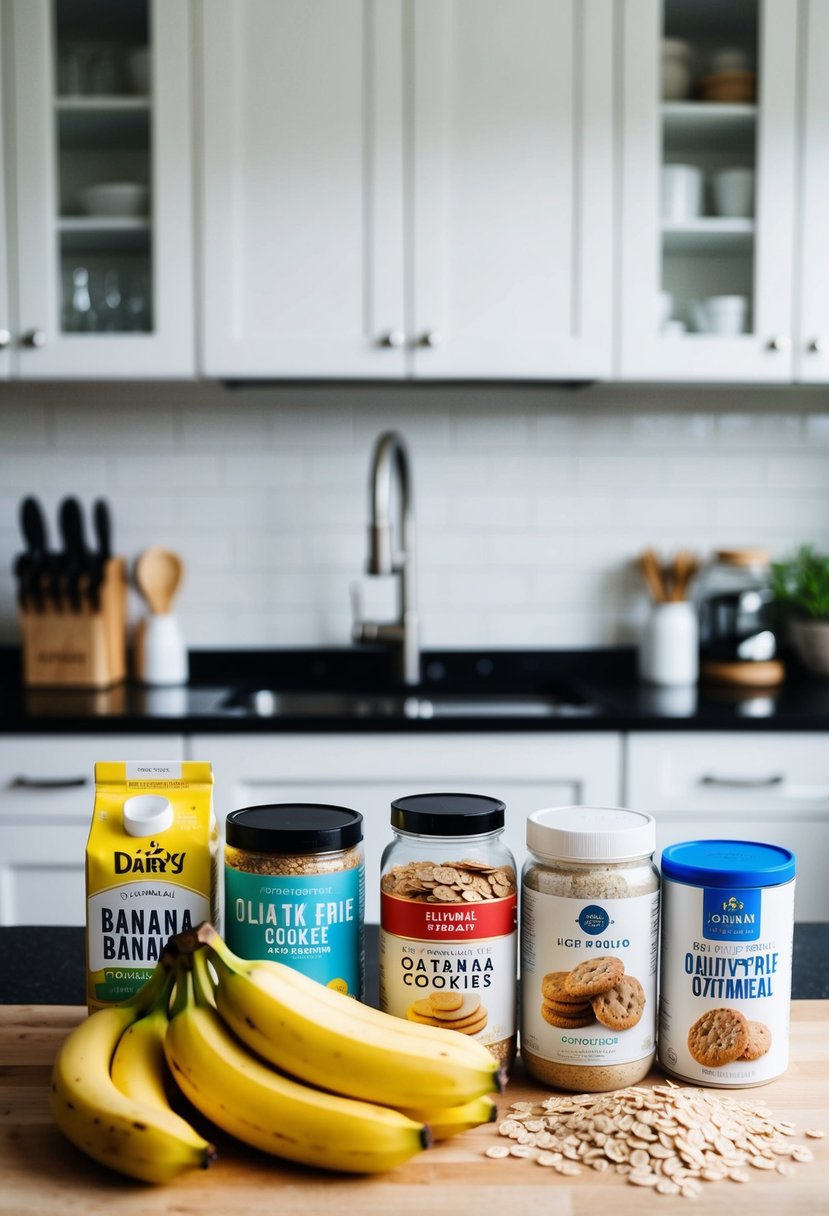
332,1041
248,1098
366,1091
107,1093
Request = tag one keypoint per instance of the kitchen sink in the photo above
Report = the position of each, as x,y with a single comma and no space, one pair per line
271,703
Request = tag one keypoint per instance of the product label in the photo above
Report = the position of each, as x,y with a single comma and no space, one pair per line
726,982
143,889
450,965
312,922
613,944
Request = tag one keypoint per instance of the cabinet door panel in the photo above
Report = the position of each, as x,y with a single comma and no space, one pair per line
59,150
5,316
708,255
513,184
813,253
302,187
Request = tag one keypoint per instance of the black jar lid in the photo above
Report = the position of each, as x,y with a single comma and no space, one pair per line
294,827
447,814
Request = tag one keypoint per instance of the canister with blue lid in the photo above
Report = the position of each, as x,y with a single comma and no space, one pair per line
726,961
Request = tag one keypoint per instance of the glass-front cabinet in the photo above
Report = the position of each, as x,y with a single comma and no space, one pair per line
709,190
102,191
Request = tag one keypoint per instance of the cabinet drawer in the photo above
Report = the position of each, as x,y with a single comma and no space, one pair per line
766,787
715,770
51,779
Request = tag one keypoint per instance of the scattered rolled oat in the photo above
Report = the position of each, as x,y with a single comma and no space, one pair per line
668,1139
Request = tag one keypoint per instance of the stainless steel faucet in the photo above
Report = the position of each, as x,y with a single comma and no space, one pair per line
391,455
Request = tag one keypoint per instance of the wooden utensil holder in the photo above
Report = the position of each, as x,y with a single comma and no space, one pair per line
79,649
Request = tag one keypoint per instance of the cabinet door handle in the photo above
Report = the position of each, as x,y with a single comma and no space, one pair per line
5,339
48,783
743,783
430,338
818,346
34,339
394,338
781,342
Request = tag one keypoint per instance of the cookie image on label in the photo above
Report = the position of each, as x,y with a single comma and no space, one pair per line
566,1021
719,1037
553,989
450,1010
594,976
621,1007
759,1041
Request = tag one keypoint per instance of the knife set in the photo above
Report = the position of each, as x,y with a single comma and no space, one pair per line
72,600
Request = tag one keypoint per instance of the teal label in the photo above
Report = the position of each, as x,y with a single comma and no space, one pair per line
312,922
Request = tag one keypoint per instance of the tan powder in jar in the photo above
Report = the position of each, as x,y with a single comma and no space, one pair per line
548,880
293,863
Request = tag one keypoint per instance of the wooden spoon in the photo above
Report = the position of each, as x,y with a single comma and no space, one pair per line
158,575
652,571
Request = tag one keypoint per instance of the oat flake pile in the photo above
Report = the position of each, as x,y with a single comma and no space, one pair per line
669,1139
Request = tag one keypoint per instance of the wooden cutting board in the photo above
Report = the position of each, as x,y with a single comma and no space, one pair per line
41,1174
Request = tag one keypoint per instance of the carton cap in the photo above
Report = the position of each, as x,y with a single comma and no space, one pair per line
147,815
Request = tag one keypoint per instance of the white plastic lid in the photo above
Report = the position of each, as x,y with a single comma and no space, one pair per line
590,833
147,815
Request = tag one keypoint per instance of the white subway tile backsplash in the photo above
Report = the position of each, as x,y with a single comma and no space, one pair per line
150,469
532,502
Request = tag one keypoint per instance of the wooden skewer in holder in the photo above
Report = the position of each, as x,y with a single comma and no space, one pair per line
79,649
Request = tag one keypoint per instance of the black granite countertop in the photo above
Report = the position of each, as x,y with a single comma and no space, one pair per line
46,966
595,690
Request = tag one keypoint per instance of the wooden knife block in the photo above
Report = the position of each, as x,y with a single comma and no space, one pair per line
82,649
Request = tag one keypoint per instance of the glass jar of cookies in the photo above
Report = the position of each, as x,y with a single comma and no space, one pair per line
589,941
448,916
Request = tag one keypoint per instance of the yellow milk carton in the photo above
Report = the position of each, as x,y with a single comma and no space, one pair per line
150,869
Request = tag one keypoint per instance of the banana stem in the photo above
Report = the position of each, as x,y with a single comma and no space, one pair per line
184,991
202,981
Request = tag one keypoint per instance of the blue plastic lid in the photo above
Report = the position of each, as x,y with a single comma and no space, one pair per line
728,863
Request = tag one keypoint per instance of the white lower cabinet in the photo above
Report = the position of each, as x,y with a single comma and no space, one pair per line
47,790
767,787
365,772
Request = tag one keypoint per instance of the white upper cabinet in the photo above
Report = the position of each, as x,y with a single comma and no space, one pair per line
5,317
100,190
396,189
707,255
812,357
512,176
302,188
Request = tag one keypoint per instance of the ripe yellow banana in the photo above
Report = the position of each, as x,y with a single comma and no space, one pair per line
125,1134
252,1101
139,1070
337,1046
446,1121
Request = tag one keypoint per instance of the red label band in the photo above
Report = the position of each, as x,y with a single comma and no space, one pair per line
448,922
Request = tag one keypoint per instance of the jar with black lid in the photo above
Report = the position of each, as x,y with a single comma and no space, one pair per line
448,918
295,890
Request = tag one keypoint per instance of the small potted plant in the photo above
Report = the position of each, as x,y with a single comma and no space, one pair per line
801,589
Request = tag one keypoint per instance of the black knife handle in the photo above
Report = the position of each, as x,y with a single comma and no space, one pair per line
102,520
71,529
32,523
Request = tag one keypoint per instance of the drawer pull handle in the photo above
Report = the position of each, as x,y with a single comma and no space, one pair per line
48,783
743,783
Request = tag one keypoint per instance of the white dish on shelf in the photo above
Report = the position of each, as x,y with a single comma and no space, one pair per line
114,198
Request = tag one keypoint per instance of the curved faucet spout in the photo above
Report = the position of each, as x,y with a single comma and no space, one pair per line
391,457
